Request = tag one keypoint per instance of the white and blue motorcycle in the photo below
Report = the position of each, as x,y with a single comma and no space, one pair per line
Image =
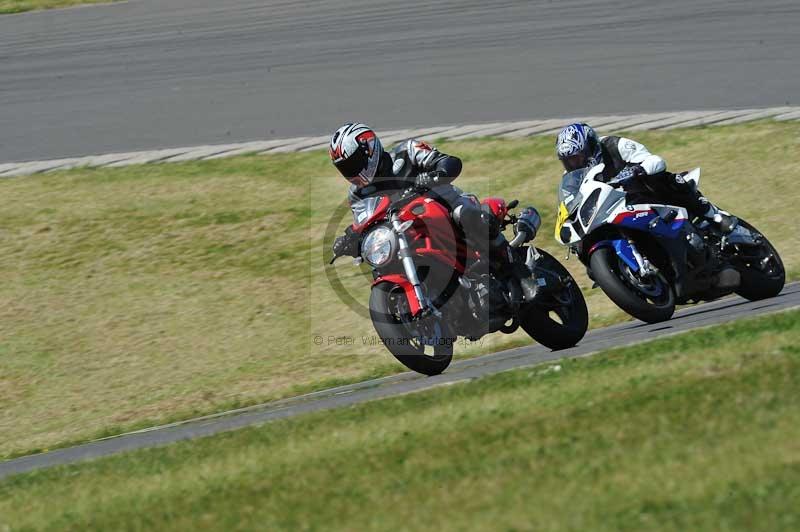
648,257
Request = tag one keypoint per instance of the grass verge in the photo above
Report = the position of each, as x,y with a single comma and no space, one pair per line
694,432
20,6
140,295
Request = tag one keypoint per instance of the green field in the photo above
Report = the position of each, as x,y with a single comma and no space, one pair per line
20,6
139,295
695,432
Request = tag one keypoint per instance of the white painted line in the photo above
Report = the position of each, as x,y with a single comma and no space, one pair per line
432,133
630,121
7,167
710,120
105,160
516,129
249,147
508,127
149,157
789,116
393,137
544,125
466,131
677,118
757,115
597,122
202,151
36,167
302,144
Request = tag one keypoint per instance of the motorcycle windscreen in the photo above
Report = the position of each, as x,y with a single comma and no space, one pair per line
569,189
365,209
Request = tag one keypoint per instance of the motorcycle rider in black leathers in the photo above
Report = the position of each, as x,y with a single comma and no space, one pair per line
643,175
357,153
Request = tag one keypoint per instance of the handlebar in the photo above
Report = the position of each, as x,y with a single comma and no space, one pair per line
519,239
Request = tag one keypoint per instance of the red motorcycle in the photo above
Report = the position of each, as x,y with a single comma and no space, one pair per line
430,287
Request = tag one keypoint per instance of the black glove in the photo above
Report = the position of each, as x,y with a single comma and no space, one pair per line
627,174
346,244
429,179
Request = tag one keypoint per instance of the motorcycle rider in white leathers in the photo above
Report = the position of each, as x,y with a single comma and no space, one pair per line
630,165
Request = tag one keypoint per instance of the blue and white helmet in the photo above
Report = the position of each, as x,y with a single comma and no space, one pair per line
577,146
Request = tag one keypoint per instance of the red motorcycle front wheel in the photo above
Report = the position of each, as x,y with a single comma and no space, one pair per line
422,345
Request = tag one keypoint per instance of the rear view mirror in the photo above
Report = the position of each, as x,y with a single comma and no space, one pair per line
512,204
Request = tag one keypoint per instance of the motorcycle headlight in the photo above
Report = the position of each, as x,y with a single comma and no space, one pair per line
378,246
589,207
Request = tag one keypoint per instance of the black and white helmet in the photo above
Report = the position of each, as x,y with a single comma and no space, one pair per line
356,152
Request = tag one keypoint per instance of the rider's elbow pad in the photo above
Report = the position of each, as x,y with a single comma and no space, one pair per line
653,164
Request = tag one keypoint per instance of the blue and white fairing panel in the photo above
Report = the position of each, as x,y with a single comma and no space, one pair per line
646,217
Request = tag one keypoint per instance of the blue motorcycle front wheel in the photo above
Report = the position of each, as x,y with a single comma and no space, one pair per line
649,299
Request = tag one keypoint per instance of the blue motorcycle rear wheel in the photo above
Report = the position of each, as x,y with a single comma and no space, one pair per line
763,273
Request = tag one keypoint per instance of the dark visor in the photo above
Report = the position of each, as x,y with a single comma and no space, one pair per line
574,162
353,165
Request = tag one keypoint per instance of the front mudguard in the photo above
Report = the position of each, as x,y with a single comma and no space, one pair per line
403,282
621,247
675,250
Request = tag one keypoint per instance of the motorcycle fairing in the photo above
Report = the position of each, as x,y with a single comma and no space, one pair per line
645,217
432,232
587,204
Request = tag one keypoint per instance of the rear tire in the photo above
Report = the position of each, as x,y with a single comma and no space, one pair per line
758,283
608,271
406,338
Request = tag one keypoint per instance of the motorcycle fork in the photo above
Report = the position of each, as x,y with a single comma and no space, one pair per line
645,266
409,267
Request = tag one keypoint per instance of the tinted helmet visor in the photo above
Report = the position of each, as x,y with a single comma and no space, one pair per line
353,165
574,162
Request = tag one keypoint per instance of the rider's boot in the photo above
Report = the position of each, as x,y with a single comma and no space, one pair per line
514,266
725,221
699,204
482,231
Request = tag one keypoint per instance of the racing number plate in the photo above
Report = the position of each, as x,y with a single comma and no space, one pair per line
563,214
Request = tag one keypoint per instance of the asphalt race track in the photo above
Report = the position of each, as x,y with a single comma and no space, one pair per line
721,311
162,73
